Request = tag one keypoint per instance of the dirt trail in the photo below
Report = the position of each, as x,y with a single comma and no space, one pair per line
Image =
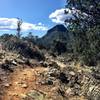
26,79
22,81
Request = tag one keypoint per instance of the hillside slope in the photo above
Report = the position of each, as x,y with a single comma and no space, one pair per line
58,32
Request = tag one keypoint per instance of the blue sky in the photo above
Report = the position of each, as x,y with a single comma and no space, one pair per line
35,14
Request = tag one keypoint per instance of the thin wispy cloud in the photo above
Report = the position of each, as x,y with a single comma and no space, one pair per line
8,24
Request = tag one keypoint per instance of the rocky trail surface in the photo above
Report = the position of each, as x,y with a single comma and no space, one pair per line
52,79
21,82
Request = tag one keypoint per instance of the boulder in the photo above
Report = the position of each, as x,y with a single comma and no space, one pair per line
6,67
34,95
24,86
63,78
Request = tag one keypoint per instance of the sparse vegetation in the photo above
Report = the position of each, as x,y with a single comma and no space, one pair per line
64,64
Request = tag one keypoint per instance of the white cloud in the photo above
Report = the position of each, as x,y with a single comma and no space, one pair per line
59,15
40,24
29,26
7,24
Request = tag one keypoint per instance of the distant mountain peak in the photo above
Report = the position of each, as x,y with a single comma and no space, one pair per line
58,32
59,27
